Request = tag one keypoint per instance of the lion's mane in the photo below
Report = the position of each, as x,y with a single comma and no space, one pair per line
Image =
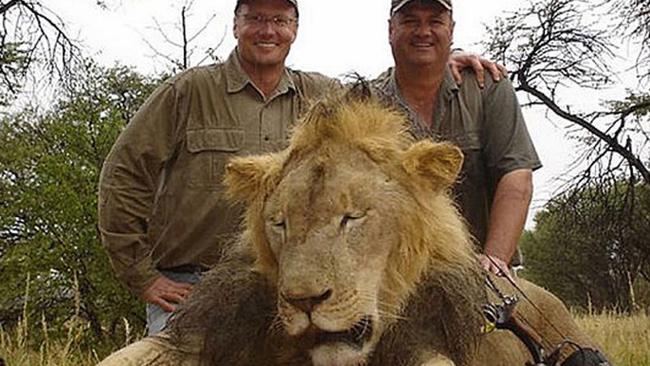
432,282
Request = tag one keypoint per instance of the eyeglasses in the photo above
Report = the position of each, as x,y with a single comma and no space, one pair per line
414,23
276,21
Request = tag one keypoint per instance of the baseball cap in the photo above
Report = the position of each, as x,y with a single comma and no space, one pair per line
396,5
292,2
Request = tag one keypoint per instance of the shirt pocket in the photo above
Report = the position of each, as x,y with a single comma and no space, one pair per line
209,151
473,166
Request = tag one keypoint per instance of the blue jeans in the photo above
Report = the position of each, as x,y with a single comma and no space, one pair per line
156,316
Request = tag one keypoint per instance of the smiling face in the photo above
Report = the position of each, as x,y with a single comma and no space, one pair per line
420,34
265,31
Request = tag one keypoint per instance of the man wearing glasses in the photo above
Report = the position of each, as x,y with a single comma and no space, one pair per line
495,187
162,216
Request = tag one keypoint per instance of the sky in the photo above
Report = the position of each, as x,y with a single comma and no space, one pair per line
335,37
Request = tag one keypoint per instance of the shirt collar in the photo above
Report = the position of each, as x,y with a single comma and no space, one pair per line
448,86
448,89
237,78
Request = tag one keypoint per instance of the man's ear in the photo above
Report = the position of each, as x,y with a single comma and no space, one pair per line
451,32
248,176
433,165
235,30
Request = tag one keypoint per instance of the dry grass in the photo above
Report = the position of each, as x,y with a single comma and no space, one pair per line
29,343
17,349
625,339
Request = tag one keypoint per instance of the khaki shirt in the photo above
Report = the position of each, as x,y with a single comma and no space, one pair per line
487,124
160,195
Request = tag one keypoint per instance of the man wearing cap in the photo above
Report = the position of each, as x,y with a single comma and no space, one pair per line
495,187
162,217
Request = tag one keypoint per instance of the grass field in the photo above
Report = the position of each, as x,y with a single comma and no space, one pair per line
625,339
17,347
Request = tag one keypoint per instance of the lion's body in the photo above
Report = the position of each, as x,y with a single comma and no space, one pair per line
250,342
353,254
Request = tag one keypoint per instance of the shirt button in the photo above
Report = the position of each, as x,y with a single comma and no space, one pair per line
266,138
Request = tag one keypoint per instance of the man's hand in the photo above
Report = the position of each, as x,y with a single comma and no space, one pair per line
459,60
165,293
495,265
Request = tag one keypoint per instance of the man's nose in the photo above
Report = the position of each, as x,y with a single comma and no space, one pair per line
267,27
423,29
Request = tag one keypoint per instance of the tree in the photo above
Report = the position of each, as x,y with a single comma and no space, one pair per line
588,242
555,49
49,168
590,247
32,36
184,41
634,24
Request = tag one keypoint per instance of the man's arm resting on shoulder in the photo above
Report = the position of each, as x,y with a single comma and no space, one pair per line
460,60
508,214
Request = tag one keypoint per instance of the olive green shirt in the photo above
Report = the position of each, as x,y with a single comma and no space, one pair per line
487,124
161,202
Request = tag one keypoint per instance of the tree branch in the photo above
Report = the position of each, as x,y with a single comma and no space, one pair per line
611,142
5,7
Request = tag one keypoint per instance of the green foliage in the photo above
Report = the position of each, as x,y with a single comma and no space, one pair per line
49,168
590,246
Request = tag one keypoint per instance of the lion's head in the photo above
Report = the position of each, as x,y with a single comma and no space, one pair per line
347,222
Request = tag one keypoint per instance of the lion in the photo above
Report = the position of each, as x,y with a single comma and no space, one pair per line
353,253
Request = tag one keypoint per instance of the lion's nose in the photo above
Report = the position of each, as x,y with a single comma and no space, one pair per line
307,303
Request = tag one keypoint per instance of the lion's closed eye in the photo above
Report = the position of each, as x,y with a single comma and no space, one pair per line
277,224
352,219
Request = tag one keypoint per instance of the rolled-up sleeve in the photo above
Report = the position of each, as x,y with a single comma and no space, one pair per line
128,184
507,143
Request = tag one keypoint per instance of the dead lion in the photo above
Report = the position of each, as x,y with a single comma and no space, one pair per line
353,254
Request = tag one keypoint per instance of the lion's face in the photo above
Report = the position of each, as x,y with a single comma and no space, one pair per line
331,220
330,227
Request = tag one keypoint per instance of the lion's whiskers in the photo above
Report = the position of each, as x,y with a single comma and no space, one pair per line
385,309
384,306
391,315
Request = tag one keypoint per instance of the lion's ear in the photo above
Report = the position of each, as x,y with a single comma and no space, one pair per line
436,165
248,176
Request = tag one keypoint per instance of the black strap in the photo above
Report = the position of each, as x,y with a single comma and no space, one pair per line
586,357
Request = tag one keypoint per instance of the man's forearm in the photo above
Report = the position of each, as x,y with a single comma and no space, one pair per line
137,274
124,206
508,213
